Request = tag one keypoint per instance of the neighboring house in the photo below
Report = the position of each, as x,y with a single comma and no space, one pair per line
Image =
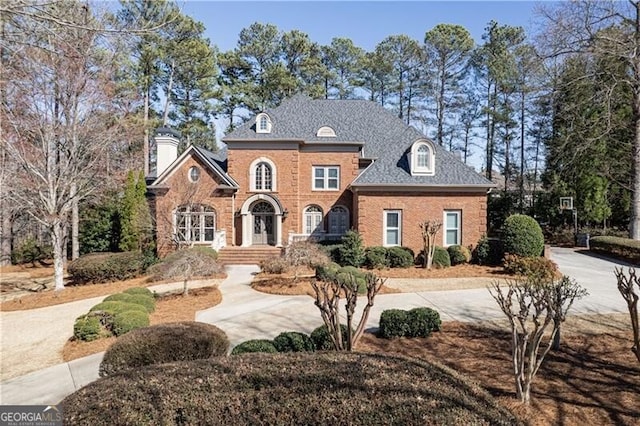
315,169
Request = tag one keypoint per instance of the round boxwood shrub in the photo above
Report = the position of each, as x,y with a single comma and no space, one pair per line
139,290
459,254
322,339
522,236
422,321
106,267
327,272
346,272
87,328
393,323
293,341
399,257
124,322
441,258
376,257
148,302
255,345
162,343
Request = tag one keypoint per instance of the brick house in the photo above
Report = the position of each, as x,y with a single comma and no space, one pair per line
315,169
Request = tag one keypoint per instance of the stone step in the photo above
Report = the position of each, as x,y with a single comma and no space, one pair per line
246,255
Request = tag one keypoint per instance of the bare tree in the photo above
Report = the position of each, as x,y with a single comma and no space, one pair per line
531,306
429,229
629,288
328,296
187,264
304,253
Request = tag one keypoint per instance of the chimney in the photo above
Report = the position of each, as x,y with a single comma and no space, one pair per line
167,141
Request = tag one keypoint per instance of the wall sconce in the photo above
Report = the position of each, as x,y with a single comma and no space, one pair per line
237,213
285,213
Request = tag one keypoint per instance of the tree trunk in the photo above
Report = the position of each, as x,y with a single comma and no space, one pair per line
145,144
75,224
634,224
165,116
58,241
522,133
7,235
440,112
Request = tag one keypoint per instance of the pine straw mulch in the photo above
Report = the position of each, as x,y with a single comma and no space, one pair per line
170,307
72,293
39,270
594,379
465,270
287,286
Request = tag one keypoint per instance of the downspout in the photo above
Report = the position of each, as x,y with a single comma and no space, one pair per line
233,219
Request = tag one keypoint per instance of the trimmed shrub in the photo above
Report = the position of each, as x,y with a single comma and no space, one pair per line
256,345
148,302
441,258
351,250
488,251
322,339
327,272
274,265
87,328
106,267
115,307
124,322
292,341
521,235
343,275
139,290
422,321
540,267
625,248
459,254
400,257
393,323
376,258
158,344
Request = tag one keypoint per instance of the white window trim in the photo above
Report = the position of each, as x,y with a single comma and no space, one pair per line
252,175
422,171
189,214
385,243
445,229
259,117
326,178
326,132
305,212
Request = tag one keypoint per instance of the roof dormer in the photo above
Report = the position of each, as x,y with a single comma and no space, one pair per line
263,123
422,158
326,132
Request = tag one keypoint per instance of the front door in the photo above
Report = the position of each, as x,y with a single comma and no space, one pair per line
263,219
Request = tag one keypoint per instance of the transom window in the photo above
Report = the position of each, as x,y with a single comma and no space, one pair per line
452,227
422,158
264,177
326,178
392,233
195,223
338,220
313,220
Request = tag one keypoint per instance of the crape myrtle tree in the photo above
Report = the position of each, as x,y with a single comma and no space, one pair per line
59,112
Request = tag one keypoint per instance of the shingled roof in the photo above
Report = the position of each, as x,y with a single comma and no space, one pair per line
385,138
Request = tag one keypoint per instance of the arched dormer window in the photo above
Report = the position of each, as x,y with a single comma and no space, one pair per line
262,175
326,132
422,158
263,123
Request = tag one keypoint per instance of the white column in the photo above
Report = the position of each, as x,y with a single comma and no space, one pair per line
278,230
246,230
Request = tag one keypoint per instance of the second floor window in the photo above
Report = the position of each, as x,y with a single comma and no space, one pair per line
263,177
326,178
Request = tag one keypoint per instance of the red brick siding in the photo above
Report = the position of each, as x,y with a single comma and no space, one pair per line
416,208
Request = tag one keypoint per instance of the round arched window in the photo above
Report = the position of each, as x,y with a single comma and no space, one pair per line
194,174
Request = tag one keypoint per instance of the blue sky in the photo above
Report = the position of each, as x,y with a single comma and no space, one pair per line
365,22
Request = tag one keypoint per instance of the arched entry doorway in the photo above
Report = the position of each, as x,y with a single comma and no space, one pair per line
263,223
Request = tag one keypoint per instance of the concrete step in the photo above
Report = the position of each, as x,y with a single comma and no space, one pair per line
246,255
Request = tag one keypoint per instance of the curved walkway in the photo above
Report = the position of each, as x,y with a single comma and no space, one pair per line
246,314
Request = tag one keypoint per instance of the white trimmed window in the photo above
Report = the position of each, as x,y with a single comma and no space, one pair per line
422,158
452,227
263,123
392,228
326,132
338,220
312,218
262,176
326,178
195,223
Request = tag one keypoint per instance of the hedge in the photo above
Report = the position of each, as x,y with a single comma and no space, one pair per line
625,248
87,328
124,322
293,341
148,302
400,257
158,344
376,257
139,290
417,322
106,267
255,345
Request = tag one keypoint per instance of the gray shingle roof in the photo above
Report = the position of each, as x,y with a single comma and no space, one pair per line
386,138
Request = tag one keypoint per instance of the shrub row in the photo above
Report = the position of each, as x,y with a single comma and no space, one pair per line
540,267
106,267
417,322
625,248
162,343
388,257
292,341
116,315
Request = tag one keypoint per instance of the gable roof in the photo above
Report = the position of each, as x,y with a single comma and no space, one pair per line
385,138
